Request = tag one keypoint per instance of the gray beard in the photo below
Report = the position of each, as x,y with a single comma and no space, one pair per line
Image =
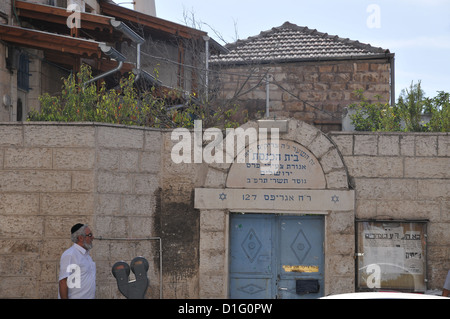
88,246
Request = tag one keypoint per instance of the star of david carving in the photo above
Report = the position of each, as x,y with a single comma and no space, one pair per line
335,199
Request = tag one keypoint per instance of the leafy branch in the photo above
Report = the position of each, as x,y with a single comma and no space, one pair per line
125,105
407,115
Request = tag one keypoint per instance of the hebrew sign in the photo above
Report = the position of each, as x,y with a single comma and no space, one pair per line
392,255
295,168
274,200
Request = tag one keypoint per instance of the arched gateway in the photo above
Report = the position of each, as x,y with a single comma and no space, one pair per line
287,232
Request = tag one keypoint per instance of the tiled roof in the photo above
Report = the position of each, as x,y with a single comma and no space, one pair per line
290,43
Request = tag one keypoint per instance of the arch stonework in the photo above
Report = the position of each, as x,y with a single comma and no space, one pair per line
339,215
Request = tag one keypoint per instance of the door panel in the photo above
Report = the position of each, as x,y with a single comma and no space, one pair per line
269,254
251,256
301,256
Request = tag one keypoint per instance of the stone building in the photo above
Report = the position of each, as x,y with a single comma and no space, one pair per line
344,212
43,41
301,73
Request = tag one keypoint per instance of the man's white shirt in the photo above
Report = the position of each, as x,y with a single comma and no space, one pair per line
447,282
78,267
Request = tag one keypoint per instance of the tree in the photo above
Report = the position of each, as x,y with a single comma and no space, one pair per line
439,108
374,116
411,104
407,115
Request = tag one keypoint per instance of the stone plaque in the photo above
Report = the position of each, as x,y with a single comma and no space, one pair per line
292,167
271,200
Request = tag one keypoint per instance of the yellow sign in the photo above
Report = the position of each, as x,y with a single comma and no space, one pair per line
299,268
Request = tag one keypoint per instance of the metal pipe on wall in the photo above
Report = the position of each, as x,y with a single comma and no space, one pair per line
138,61
267,96
392,61
113,53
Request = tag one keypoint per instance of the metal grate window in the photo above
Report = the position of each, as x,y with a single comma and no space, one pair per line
23,73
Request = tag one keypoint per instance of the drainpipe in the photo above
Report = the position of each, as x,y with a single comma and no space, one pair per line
392,61
138,62
267,96
113,53
133,36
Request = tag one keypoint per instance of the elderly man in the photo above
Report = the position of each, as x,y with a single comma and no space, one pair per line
77,269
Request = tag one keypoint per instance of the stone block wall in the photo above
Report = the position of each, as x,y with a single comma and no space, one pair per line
313,92
122,182
404,177
46,184
55,175
127,185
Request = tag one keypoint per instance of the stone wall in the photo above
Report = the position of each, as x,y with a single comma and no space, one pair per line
405,177
127,185
122,182
111,177
46,184
313,92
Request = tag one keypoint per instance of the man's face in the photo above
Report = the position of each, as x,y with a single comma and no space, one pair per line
88,239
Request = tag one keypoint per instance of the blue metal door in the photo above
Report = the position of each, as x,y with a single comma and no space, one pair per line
276,256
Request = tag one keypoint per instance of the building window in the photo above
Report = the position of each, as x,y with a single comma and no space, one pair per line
391,255
23,73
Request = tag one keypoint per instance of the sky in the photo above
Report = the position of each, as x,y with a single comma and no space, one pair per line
417,31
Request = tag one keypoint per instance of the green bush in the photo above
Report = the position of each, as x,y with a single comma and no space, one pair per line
374,116
80,103
407,115
125,105
440,113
